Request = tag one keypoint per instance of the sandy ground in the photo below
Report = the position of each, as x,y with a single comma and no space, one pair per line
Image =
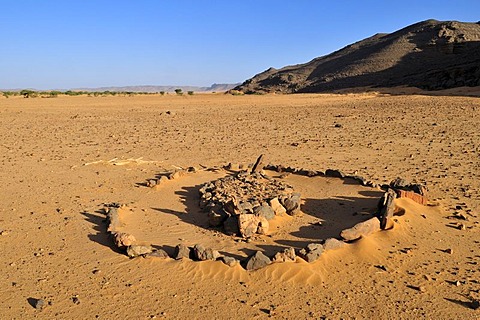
54,244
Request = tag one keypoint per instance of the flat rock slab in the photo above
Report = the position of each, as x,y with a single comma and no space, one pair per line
361,229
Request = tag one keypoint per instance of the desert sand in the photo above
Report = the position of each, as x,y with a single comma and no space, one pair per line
63,159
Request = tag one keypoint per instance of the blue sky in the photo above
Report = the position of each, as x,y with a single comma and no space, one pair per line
69,44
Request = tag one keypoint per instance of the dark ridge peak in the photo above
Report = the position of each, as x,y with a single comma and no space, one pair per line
430,54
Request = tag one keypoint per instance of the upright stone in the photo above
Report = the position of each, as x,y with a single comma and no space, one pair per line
387,210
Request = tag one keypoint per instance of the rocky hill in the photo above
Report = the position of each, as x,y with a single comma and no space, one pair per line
430,55
216,87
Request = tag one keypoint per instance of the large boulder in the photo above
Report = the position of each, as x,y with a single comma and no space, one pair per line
181,252
138,250
288,254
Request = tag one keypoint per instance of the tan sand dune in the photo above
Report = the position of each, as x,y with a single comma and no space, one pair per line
53,229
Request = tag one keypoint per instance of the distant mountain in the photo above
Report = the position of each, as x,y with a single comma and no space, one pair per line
430,55
148,88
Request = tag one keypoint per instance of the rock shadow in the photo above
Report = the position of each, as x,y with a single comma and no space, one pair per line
101,236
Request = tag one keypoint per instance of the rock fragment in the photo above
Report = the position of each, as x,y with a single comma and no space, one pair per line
181,252
288,254
311,252
277,207
333,244
138,250
257,261
361,229
387,209
39,304
159,253
123,240
230,261
203,254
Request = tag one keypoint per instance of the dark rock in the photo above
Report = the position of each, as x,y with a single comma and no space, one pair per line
398,183
258,166
230,226
264,211
203,254
181,252
334,173
312,252
387,209
216,217
361,229
257,261
475,304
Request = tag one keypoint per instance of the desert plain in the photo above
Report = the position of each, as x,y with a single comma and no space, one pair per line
63,159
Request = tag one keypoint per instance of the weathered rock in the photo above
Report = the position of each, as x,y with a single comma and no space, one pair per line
230,261
216,217
398,183
181,252
334,173
39,304
159,253
151,183
292,203
418,198
123,240
138,250
288,254
333,244
230,226
203,254
257,261
277,207
418,188
113,219
361,229
311,252
258,166
245,207
387,209
250,224
264,211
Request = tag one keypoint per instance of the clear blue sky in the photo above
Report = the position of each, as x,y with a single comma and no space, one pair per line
49,44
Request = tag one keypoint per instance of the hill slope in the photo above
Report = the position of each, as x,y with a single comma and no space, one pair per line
429,55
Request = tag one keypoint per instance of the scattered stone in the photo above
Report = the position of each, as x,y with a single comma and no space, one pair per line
312,252
288,254
277,207
113,219
398,183
230,261
264,211
203,254
334,173
258,166
292,203
361,229
39,304
123,240
449,251
387,209
216,217
333,244
159,253
257,261
138,250
338,125
461,226
75,299
181,251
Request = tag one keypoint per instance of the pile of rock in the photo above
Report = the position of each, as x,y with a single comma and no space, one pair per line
243,203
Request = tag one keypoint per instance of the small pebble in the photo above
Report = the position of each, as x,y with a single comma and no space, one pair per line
40,304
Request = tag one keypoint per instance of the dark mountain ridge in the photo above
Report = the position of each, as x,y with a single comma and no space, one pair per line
430,55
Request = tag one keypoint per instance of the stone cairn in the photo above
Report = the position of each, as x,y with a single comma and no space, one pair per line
244,203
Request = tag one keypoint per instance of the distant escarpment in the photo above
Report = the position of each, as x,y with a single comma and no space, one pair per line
430,55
